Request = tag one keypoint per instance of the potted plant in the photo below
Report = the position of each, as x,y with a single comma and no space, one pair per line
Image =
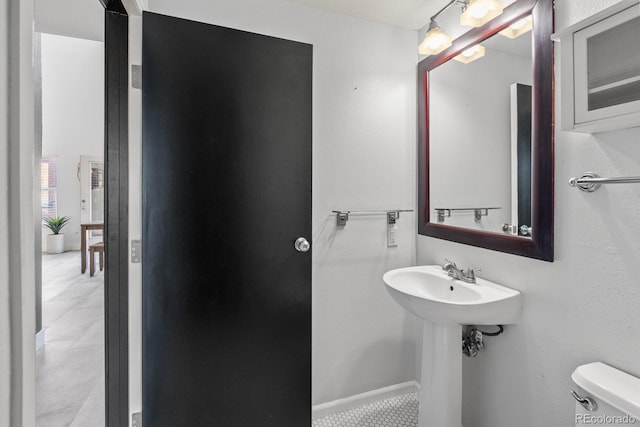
55,241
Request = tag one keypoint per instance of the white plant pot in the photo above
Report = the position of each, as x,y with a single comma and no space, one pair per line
55,243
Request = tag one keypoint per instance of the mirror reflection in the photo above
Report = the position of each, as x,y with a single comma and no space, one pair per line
480,135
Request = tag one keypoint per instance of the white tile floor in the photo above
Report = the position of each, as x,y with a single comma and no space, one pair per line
397,411
70,366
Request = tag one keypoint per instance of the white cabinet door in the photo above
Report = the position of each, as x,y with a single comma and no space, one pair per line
607,68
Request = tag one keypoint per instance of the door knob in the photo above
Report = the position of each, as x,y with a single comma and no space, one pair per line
302,244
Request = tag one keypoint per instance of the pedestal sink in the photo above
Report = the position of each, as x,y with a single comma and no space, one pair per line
445,304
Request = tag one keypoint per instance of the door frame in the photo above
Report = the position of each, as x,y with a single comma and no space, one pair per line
116,158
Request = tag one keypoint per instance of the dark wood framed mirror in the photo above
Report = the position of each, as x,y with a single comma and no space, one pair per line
441,160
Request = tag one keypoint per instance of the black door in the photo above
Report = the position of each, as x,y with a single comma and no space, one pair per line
226,192
524,157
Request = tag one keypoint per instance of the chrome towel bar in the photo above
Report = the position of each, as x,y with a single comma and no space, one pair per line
477,212
590,181
392,214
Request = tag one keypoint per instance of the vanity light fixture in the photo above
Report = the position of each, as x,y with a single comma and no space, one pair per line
518,28
479,12
435,41
471,54
475,13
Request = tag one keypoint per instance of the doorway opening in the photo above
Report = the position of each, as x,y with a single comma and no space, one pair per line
98,229
70,358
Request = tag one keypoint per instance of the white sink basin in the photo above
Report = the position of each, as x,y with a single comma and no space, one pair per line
428,292
445,304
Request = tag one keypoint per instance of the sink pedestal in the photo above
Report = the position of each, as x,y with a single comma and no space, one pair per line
445,304
440,403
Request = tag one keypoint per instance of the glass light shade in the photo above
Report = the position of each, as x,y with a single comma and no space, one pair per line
471,54
435,41
518,28
479,12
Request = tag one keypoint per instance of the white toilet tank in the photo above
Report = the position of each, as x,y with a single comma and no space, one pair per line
612,396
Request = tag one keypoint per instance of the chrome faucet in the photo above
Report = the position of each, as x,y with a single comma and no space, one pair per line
452,270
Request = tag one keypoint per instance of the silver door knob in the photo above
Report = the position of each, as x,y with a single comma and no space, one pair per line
302,244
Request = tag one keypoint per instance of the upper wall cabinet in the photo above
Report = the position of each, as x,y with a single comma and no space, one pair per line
600,70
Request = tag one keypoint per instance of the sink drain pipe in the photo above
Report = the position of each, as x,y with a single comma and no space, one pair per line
472,339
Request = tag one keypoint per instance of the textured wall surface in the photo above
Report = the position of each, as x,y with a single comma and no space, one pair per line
5,304
364,125
17,264
578,309
72,18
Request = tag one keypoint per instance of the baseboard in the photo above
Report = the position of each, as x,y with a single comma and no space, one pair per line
355,401
40,339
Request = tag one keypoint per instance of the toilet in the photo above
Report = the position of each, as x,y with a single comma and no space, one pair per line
605,396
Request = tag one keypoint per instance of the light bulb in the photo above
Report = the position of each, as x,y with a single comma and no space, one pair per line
518,28
470,54
518,25
479,12
435,41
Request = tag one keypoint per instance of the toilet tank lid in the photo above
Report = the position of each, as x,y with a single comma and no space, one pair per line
617,388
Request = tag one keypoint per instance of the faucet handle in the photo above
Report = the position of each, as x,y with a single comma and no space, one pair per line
446,261
471,273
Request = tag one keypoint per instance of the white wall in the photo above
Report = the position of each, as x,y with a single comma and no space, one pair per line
17,263
72,117
364,97
581,308
72,18
5,288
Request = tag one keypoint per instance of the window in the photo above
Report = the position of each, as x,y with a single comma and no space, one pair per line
48,187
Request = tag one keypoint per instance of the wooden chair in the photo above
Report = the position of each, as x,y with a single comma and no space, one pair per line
98,247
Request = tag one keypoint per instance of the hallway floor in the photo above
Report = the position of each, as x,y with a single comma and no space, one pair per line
399,411
70,367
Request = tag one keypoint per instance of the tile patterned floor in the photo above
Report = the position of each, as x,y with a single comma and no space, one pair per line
397,411
70,366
